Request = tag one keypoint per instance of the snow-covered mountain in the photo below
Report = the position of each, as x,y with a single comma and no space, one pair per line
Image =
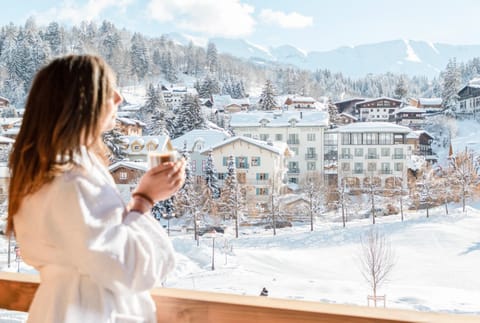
396,56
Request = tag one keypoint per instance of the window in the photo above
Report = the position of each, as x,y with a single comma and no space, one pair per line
136,147
346,153
311,137
372,167
262,176
295,150
345,167
398,167
398,138
311,153
264,136
386,168
345,139
241,162
278,137
371,138
372,153
358,168
293,139
359,152
193,165
311,166
123,176
248,135
385,152
255,161
225,161
204,165
222,176
293,167
385,139
261,191
293,180
398,153
356,138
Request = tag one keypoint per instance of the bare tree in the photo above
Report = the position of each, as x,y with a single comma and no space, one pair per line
314,190
376,259
465,170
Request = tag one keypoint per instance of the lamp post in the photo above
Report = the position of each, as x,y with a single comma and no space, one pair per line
211,234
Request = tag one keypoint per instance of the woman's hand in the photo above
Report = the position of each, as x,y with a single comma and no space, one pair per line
162,181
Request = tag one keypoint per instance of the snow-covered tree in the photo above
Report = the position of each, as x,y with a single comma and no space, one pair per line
267,99
401,89
451,85
209,87
232,202
153,112
139,56
113,140
314,190
211,177
212,57
189,116
465,174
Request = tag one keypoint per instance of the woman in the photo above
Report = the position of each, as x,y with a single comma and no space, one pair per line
97,257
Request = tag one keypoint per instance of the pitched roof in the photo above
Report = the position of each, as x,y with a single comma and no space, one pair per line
372,127
209,137
142,166
277,149
280,118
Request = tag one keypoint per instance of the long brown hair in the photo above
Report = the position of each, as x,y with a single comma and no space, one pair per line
63,111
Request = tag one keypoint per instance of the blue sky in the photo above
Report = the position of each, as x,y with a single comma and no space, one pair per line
307,24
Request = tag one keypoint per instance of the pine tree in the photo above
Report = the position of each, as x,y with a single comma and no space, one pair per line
401,89
267,99
232,202
113,140
153,111
451,85
212,58
189,116
139,56
211,178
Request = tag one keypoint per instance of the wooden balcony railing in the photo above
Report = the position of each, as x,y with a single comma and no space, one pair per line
179,306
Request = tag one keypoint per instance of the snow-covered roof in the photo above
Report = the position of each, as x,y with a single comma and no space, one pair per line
307,99
380,98
416,134
162,142
6,140
430,101
10,121
348,115
130,107
128,164
274,147
373,127
350,100
209,137
4,99
280,118
410,109
130,121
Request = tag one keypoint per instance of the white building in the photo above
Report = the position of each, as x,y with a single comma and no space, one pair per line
137,148
301,130
196,142
373,151
469,98
379,109
174,95
260,166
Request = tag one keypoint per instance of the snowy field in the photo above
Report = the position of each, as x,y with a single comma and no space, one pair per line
436,262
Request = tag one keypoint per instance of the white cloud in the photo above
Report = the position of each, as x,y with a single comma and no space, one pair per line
228,18
290,20
70,11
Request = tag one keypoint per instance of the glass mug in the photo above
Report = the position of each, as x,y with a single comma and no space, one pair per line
156,158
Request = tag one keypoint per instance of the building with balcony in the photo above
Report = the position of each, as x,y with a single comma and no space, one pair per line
302,131
260,166
378,110
372,151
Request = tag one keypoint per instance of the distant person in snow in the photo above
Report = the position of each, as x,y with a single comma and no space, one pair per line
97,257
264,292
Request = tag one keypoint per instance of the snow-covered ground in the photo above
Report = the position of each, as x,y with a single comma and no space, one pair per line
436,261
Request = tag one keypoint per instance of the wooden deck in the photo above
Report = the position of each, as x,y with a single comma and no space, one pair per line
175,305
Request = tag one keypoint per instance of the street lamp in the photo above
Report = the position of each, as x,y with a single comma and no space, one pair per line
212,234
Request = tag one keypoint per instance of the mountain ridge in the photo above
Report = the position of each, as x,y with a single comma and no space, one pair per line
400,56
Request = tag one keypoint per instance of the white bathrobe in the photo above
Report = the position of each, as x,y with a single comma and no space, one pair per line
97,262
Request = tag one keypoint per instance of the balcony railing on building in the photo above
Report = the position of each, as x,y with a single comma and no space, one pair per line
371,156
293,141
294,171
311,156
